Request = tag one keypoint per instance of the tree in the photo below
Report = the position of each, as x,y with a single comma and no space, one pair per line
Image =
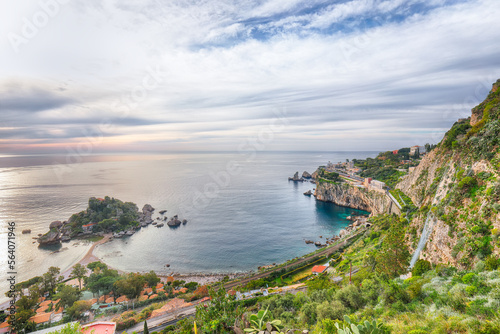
68,295
393,257
77,310
421,267
131,285
97,264
151,279
102,281
79,272
50,280
146,329
24,311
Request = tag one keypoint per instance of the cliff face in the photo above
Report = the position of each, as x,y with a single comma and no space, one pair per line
352,197
459,184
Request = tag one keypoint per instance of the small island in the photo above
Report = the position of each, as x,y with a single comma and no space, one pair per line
103,215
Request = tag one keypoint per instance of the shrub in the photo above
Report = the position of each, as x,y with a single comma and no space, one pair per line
471,290
421,267
469,278
491,263
351,297
333,310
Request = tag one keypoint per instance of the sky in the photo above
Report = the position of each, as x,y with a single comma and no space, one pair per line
104,76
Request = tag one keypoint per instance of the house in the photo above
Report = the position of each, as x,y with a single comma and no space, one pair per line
122,299
42,318
395,152
4,327
316,270
100,327
88,228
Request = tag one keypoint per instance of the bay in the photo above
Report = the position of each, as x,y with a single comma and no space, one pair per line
241,209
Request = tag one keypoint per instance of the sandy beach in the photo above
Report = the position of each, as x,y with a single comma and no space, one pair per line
89,256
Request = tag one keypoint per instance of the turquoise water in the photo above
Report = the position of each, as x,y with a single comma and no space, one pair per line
241,209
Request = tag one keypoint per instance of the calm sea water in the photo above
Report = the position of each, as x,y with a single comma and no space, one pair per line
242,212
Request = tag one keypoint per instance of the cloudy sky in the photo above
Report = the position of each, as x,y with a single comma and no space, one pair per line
158,76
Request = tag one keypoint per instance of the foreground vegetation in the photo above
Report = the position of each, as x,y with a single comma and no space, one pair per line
437,299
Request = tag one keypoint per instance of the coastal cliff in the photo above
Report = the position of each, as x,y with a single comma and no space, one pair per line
349,196
458,183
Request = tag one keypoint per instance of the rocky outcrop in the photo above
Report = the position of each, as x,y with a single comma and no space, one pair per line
174,221
296,178
145,215
50,238
56,224
306,175
349,196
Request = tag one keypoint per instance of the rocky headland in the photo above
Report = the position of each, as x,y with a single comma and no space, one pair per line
344,194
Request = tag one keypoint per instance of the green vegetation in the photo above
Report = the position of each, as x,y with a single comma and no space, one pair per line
109,215
330,177
385,166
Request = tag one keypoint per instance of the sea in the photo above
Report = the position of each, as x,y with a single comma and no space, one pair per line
242,211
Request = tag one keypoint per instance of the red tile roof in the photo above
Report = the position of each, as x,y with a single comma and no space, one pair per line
41,318
319,269
100,327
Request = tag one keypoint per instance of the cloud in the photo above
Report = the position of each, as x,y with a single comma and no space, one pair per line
17,97
382,74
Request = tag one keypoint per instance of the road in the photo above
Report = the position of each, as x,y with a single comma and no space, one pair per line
326,251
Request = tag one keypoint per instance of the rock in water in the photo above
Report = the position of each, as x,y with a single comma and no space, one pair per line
174,222
295,178
50,238
306,175
308,193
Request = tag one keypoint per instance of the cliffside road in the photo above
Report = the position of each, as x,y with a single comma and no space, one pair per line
327,251
395,201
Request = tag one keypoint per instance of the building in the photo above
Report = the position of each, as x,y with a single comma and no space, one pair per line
395,152
417,149
99,327
42,318
413,150
367,182
316,270
377,184
4,327
88,228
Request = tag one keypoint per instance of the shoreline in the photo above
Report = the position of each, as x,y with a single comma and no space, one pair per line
88,257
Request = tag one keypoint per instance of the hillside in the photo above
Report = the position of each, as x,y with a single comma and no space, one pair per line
458,184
